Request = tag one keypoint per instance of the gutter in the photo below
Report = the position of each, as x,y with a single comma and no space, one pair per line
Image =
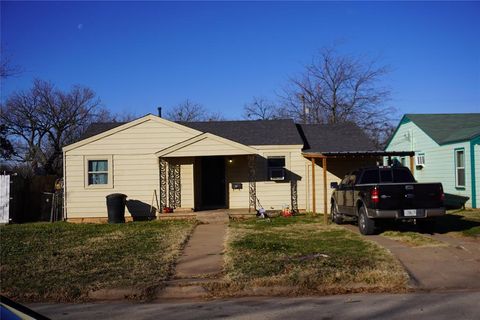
64,187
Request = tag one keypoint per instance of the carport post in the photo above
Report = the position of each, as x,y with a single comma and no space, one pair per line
412,167
313,187
325,210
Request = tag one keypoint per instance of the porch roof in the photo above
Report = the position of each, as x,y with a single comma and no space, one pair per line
206,144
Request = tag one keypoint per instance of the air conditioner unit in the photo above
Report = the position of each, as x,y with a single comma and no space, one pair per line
420,160
276,174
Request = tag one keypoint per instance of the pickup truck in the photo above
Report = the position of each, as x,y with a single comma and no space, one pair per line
378,194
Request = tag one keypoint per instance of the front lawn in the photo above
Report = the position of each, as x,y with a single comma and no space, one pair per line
63,262
460,223
308,257
413,239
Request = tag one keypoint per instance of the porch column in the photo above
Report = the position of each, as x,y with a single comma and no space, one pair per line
314,204
163,183
325,202
412,164
252,185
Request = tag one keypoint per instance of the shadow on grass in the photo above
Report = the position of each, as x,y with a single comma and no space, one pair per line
441,225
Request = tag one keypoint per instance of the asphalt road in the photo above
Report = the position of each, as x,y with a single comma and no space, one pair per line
445,305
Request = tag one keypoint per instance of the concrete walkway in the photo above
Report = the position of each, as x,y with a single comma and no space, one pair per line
456,266
202,258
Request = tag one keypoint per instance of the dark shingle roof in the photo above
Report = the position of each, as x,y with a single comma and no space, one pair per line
99,127
335,138
314,137
445,128
252,132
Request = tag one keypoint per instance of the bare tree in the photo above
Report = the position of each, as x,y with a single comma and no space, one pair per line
43,119
260,109
338,88
6,67
189,111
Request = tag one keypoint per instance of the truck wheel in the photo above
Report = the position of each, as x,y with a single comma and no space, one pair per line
365,224
336,216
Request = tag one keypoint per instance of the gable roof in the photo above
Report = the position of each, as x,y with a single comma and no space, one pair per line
228,147
447,128
313,137
252,132
334,138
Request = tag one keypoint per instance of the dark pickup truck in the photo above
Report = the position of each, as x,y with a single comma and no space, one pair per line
379,193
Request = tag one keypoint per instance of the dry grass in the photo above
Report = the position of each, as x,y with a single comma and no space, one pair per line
63,262
301,255
413,239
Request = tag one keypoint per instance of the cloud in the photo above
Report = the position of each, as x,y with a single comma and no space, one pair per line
80,26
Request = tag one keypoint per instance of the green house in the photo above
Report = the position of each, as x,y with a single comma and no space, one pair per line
447,150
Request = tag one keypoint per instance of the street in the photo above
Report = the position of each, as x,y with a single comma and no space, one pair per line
439,305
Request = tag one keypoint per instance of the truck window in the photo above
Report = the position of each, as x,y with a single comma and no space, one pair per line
370,176
386,175
402,175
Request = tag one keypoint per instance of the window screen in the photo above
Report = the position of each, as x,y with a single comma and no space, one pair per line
97,172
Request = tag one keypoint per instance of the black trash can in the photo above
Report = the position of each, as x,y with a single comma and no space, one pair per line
116,207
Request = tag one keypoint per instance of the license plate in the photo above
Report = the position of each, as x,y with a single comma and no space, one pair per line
410,213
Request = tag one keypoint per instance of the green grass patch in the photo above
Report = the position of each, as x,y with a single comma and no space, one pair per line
413,239
464,222
303,253
63,261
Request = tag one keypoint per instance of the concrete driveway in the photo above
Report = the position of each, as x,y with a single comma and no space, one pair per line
454,266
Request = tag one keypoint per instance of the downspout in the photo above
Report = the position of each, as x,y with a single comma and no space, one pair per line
473,142
64,186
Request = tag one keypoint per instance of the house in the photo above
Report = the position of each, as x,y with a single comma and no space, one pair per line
447,148
208,165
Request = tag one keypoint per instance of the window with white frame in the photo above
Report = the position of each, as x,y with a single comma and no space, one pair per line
420,159
98,172
460,168
276,168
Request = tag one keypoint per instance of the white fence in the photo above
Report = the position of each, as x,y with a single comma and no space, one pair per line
4,198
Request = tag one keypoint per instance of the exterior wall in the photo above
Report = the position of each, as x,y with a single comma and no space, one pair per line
273,195
476,148
135,168
439,160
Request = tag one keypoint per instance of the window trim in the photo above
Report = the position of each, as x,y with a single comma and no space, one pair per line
456,167
284,168
109,159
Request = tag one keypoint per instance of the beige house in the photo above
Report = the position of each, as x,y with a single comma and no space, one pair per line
198,166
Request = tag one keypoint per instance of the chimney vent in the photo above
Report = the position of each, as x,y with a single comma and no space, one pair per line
159,111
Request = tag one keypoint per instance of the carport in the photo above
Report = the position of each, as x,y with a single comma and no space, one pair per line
328,157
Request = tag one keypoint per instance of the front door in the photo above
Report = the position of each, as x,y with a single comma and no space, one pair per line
213,188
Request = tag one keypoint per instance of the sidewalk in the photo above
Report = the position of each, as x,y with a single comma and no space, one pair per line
202,259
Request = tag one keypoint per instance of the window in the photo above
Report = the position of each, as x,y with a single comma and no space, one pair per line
460,168
402,175
370,176
386,175
276,168
98,172
420,160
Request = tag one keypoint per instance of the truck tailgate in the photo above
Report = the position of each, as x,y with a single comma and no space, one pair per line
409,196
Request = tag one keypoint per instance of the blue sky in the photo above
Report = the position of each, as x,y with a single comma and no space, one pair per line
138,56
